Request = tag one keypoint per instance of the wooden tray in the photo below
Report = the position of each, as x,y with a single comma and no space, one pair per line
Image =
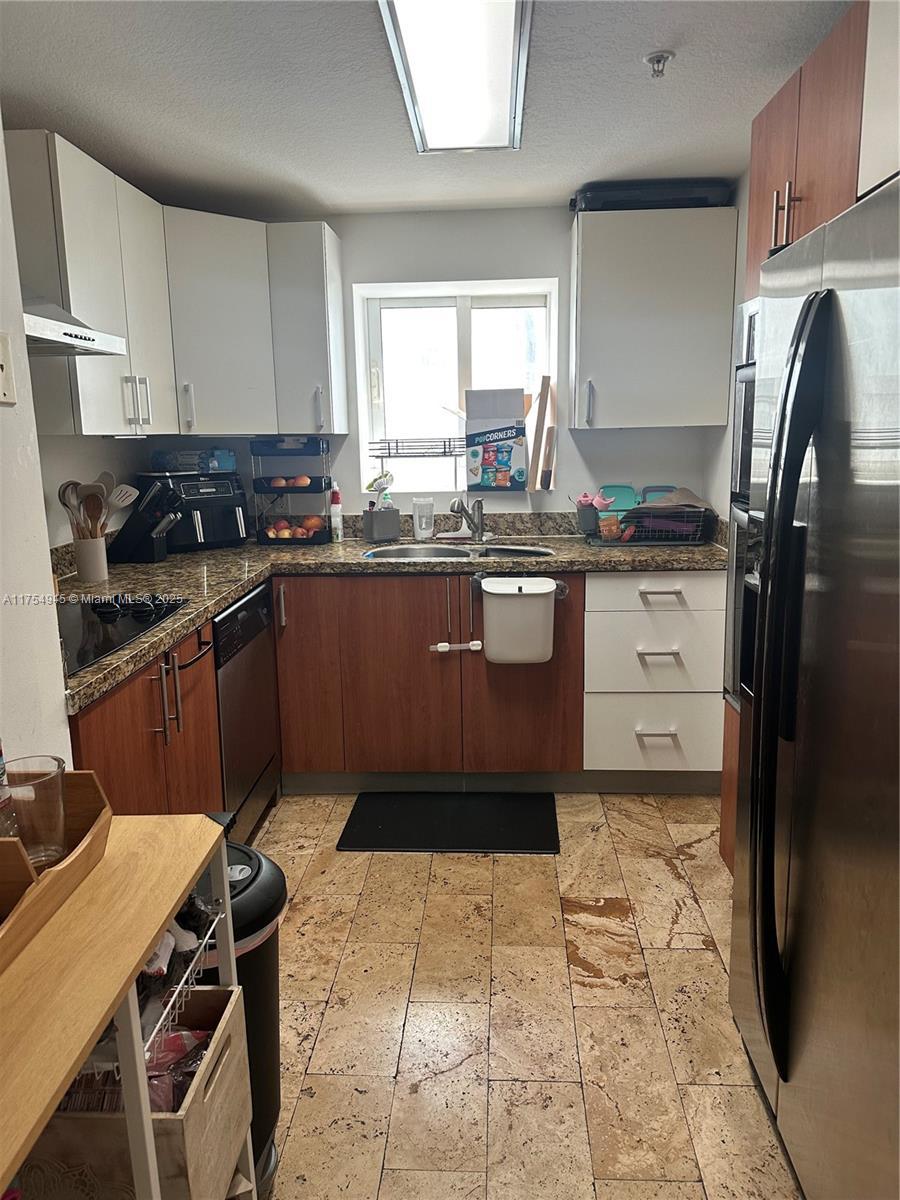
27,901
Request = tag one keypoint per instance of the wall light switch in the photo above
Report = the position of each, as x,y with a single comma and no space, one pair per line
7,384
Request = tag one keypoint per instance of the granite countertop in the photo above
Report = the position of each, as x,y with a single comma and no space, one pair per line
212,580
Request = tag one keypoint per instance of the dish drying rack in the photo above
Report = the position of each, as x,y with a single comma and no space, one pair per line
100,1065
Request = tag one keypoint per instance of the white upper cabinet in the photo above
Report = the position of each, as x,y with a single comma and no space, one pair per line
221,323
308,328
143,243
67,240
879,146
653,299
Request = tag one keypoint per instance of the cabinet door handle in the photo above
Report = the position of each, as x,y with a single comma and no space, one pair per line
164,697
656,733
145,380
135,418
589,411
191,418
205,649
176,676
446,647
282,611
789,199
777,207
318,411
673,653
239,516
449,617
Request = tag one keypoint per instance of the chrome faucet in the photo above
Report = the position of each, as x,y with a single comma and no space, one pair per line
474,518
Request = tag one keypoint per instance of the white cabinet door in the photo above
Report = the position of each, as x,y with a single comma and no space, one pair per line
879,145
308,328
67,241
221,323
654,651
653,731
147,308
653,296
654,591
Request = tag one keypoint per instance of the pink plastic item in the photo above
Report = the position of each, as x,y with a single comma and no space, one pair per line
601,503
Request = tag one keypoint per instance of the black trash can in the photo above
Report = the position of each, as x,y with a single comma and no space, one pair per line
258,900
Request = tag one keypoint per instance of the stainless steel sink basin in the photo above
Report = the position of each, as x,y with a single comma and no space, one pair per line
435,552
407,552
491,550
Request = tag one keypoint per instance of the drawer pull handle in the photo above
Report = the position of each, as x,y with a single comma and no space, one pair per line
446,647
653,733
675,591
673,653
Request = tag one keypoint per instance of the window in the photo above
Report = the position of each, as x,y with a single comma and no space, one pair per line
420,346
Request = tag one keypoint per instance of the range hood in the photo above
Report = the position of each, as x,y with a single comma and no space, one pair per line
50,330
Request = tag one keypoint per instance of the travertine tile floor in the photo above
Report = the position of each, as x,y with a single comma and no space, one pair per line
457,1027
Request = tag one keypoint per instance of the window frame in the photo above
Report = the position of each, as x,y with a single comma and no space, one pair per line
369,298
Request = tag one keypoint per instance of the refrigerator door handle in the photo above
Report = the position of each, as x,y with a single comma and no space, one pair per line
780,603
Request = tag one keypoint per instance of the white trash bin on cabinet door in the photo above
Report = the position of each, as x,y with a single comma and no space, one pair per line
518,618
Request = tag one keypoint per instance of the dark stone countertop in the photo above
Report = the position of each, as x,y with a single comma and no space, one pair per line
213,579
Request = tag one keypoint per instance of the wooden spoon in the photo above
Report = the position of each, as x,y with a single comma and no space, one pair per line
93,507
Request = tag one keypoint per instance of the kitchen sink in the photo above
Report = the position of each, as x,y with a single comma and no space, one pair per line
406,552
437,552
493,551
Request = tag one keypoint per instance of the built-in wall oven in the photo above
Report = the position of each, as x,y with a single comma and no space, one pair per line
740,531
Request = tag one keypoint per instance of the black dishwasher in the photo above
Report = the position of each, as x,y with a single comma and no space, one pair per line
244,641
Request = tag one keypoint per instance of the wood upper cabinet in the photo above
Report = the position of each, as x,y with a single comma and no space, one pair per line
651,325
401,700
143,242
773,163
193,760
525,717
308,327
309,673
830,120
121,738
805,144
221,322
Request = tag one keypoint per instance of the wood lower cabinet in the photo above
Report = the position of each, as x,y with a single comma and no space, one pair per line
309,673
121,738
155,745
193,760
401,700
525,717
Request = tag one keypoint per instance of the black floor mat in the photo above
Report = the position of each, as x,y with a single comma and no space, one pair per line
472,822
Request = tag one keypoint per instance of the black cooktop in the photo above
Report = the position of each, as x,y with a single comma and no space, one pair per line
90,627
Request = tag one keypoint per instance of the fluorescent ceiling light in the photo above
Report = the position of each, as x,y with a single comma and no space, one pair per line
461,65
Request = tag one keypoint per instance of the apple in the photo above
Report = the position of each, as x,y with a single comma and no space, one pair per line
300,532
313,524
302,481
281,524
278,481
271,532
284,533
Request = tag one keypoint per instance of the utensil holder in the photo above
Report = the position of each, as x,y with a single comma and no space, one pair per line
382,525
90,560
587,518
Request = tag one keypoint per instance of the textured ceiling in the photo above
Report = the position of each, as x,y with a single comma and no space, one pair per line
291,109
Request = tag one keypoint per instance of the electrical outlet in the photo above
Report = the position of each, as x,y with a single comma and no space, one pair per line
7,386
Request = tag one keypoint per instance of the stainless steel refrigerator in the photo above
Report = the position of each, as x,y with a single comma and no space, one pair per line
814,965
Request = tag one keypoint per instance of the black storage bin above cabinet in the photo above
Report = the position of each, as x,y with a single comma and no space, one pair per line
601,196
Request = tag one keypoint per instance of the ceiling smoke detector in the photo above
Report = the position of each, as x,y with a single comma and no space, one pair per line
657,60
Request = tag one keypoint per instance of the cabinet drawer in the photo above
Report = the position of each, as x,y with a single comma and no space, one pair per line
617,725
646,591
630,651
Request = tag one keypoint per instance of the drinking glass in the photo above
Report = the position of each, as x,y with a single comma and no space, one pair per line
423,518
36,788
